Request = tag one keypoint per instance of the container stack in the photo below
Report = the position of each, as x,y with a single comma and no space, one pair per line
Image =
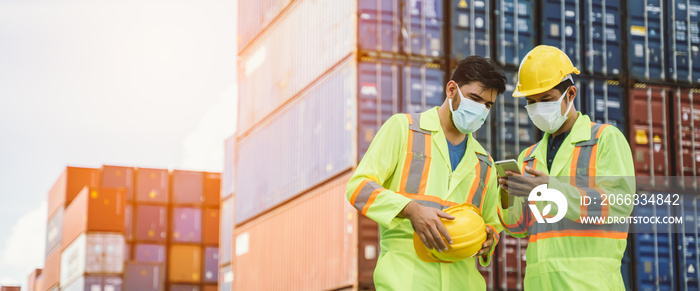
227,225
132,229
331,73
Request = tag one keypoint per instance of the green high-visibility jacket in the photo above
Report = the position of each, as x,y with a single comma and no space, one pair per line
408,160
570,254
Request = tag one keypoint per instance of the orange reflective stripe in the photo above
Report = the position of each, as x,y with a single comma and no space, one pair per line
521,224
371,200
527,154
409,158
578,233
426,167
410,120
430,198
357,191
574,164
475,184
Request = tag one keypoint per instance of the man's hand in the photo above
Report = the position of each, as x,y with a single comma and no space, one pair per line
486,247
518,185
426,222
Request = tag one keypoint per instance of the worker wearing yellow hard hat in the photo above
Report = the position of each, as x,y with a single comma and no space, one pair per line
417,174
578,158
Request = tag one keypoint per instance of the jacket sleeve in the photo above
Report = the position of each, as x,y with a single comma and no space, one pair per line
490,213
513,212
614,174
366,188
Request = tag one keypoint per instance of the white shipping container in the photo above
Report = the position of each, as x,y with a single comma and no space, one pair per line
308,39
94,253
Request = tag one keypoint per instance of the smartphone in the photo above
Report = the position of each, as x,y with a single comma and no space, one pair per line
506,165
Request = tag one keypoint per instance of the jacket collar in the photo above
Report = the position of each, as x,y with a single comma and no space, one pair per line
581,131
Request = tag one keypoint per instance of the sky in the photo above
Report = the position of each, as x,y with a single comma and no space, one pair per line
85,83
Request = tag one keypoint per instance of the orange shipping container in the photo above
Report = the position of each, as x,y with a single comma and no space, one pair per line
211,226
31,280
211,287
94,209
152,186
212,189
69,184
39,283
308,244
50,274
185,264
118,177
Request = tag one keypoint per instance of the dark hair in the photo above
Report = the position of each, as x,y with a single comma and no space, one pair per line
563,86
484,70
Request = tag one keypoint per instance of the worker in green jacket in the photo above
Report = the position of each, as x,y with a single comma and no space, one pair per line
420,164
583,161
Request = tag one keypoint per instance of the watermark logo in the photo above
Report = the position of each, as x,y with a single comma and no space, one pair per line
542,193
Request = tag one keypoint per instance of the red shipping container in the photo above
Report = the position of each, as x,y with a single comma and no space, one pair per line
511,262
211,226
51,273
188,188
212,189
649,129
152,186
69,184
687,131
10,288
31,280
118,177
94,210
151,223
488,273
300,260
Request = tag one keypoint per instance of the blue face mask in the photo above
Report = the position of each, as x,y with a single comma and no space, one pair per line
469,116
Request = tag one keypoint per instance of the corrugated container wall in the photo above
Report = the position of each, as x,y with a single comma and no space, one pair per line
378,91
212,189
151,223
152,186
184,287
118,177
144,276
423,28
68,185
226,237
187,225
51,274
602,37
511,262
254,16
149,253
688,243
649,129
605,101
687,132
188,188
210,270
318,134
301,260
684,41
98,253
185,264
210,226
95,283
560,27
471,29
291,55
228,175
646,54
515,30
94,210
54,231
653,249
422,86
379,25
514,130
129,222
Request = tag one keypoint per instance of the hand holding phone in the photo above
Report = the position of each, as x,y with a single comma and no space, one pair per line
506,165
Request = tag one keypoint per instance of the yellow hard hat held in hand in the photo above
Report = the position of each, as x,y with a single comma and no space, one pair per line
542,68
468,232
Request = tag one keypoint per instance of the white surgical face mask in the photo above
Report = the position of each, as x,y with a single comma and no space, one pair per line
469,116
547,115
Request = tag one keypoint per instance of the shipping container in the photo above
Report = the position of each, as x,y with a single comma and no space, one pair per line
68,185
653,249
210,226
210,269
514,130
188,188
94,210
184,287
149,253
185,264
423,28
304,161
212,189
127,251
489,274
226,237
255,16
129,222
605,101
31,280
144,276
379,25
225,278
511,262
684,41
561,27
646,54
94,253
687,132
39,283
54,231
151,223
118,177
515,30
300,261
95,283
286,59
210,288
649,129
379,97
152,186
187,225
688,243
470,28
10,288
423,86
602,37
51,273
228,175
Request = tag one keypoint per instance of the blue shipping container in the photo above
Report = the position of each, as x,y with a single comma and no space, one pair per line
422,87
684,41
378,25
561,27
688,244
423,28
603,33
471,27
514,131
653,249
515,30
604,101
646,40
379,91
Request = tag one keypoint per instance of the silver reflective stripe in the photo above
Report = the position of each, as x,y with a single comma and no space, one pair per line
594,209
415,126
364,194
418,159
584,157
431,204
484,169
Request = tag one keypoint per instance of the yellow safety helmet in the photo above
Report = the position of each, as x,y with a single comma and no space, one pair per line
468,232
542,68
